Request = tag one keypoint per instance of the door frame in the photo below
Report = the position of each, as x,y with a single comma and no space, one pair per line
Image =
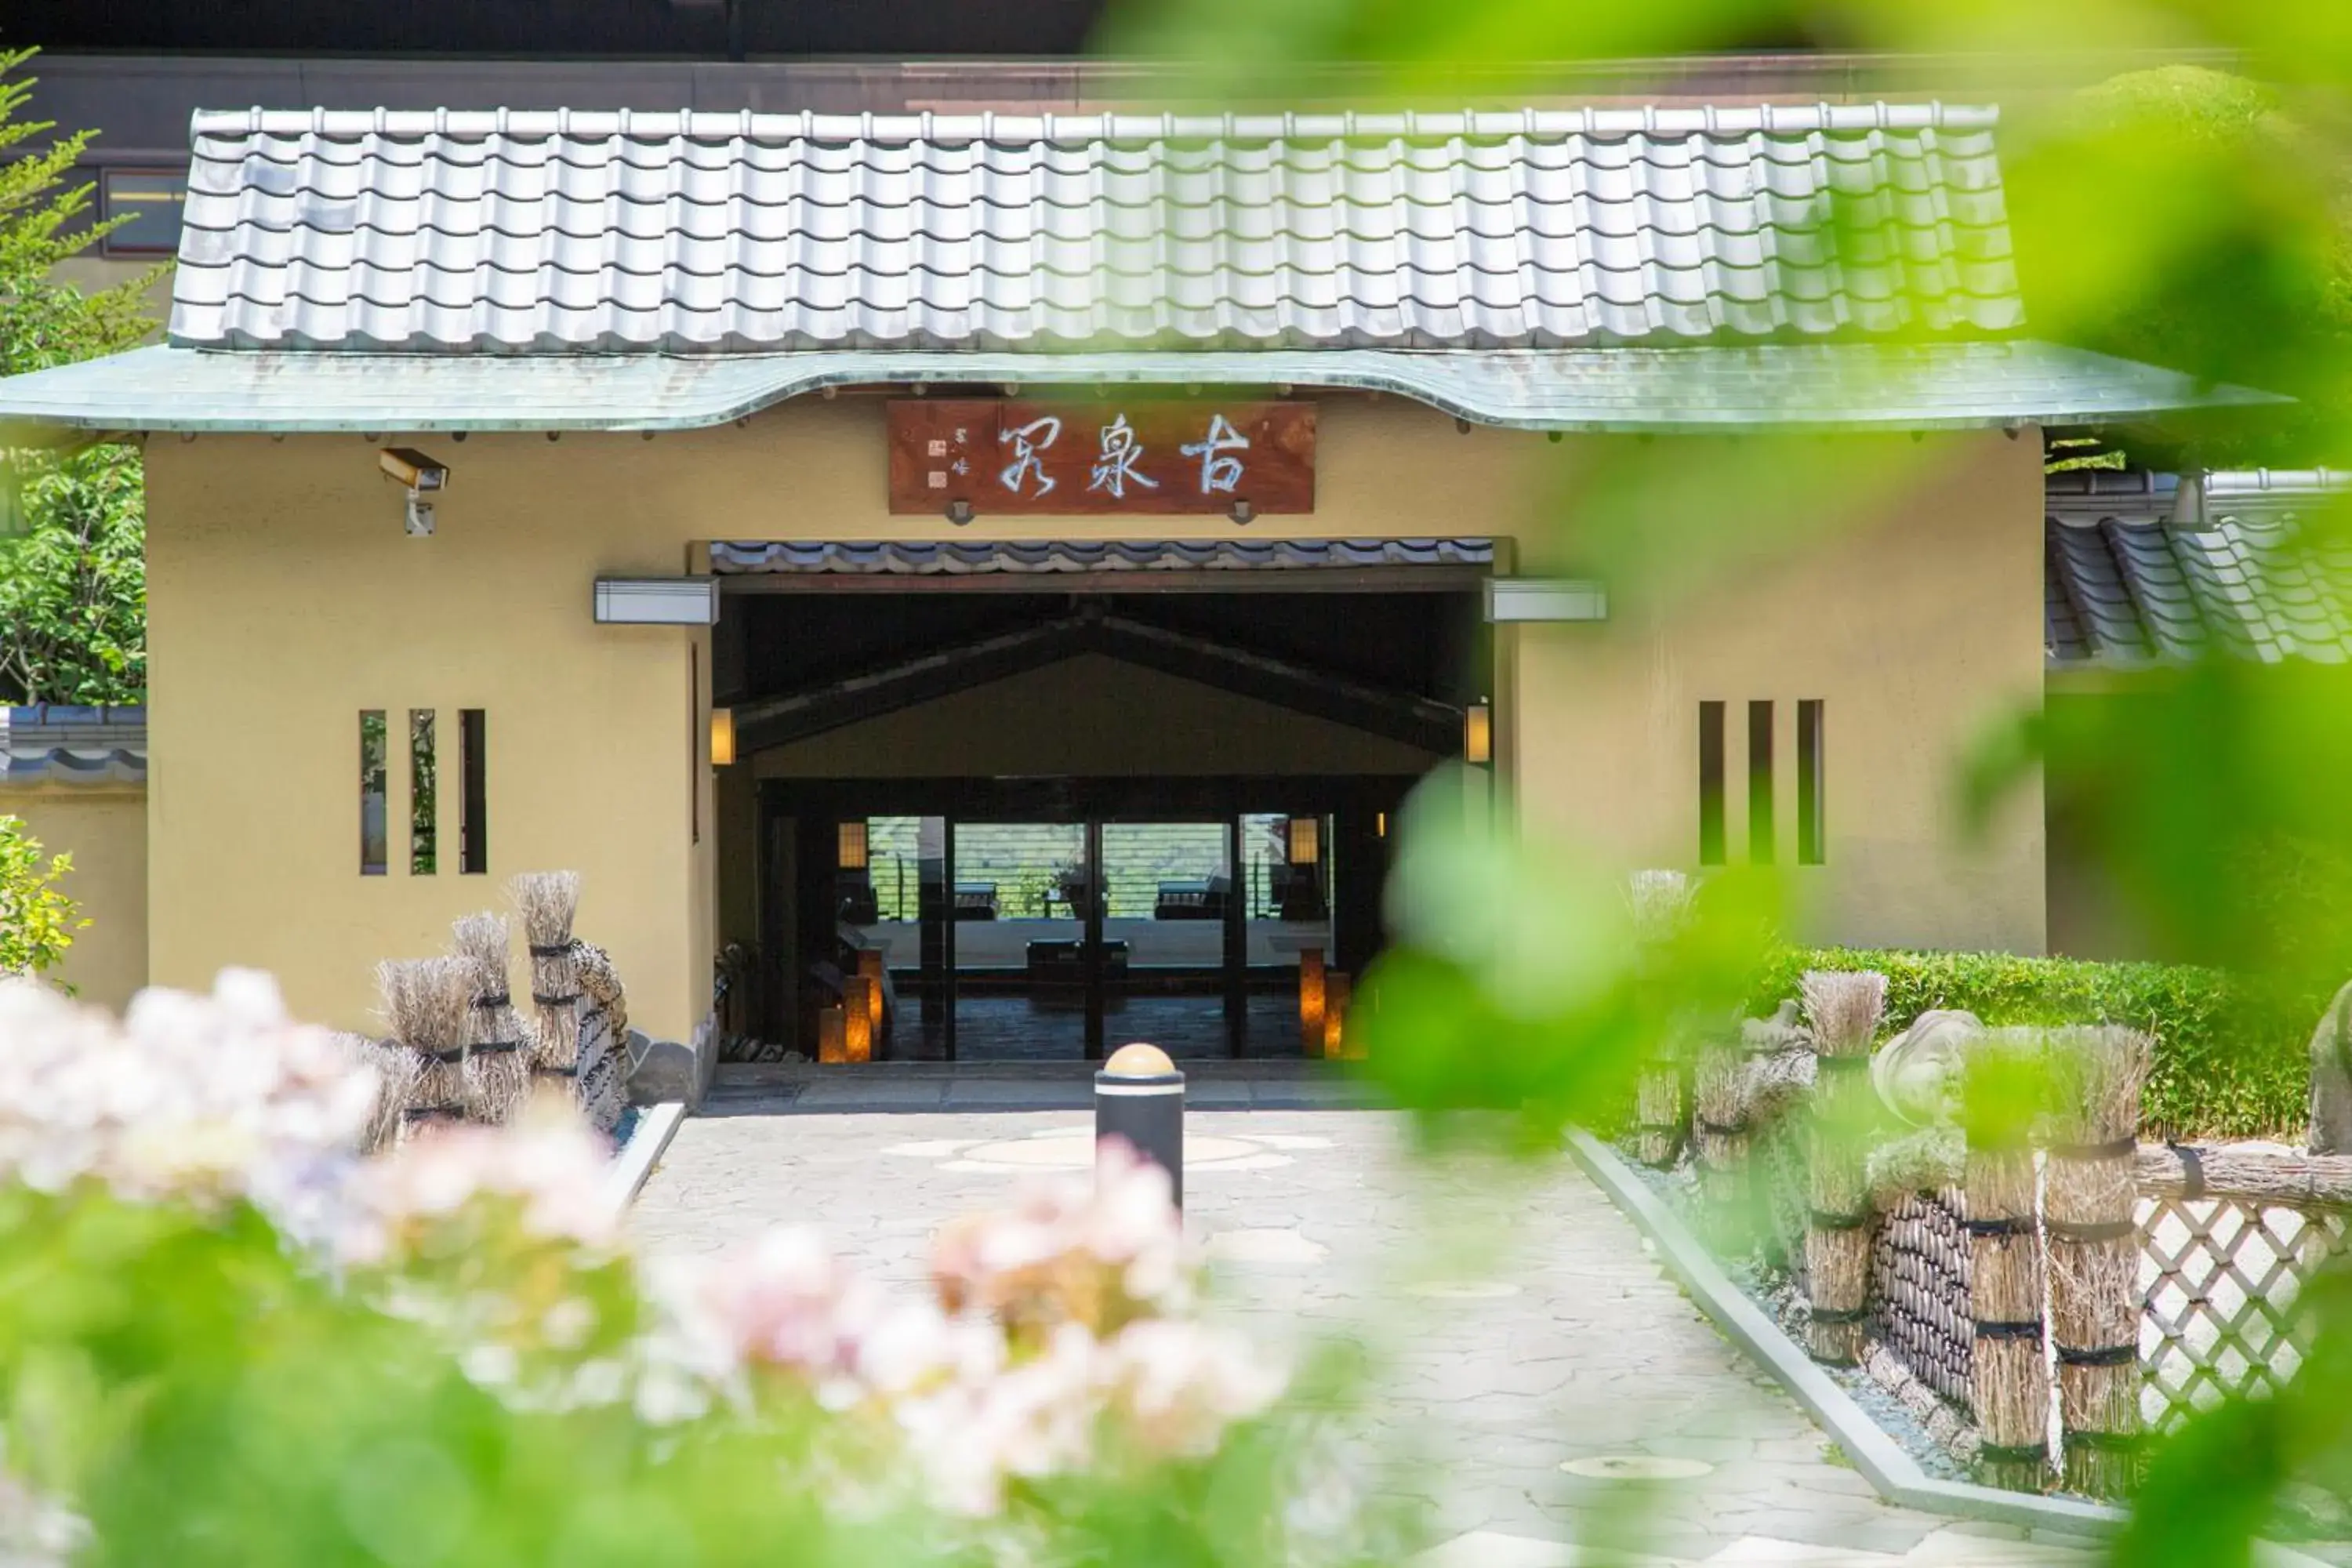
1092,802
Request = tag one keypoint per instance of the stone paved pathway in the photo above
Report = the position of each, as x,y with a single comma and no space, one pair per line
1519,1324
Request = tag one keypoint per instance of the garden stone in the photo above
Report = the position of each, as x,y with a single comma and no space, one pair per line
2331,1078
662,1070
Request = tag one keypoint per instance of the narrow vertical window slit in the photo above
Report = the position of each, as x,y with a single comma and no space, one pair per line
1760,831
1812,837
373,742
1710,784
424,797
474,793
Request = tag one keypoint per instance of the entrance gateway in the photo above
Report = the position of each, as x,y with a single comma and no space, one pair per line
654,332
1028,802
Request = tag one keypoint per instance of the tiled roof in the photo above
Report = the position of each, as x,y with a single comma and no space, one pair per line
2144,569
681,233
901,559
54,745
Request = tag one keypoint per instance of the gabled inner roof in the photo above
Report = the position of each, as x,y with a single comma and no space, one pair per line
700,234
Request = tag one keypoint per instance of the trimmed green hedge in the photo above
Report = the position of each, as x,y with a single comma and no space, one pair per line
2231,1059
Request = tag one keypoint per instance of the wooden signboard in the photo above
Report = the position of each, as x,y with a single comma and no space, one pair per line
1059,460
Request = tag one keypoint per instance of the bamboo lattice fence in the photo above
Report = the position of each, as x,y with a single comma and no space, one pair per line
2222,1242
2228,1238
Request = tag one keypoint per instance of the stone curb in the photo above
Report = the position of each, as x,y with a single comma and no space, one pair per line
657,1125
1882,1461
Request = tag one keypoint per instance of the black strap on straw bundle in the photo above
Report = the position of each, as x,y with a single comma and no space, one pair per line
1825,1219
555,1001
2114,1149
2008,1329
562,949
2109,1442
490,1002
2092,1230
497,1047
1722,1129
2014,1453
2104,1355
453,1055
414,1114
572,1071
1837,1314
1999,1227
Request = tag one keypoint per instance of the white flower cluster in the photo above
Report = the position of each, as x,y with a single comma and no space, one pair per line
1047,1344
548,1161
216,1096
1042,1350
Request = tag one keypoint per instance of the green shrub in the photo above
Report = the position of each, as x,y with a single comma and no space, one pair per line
36,918
2230,1053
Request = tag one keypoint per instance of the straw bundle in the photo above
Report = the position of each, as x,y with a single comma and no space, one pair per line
1658,1110
603,1051
547,900
1660,903
426,1001
498,1064
397,1071
2008,1378
602,983
1719,1107
1780,1070
1844,1010
2089,1197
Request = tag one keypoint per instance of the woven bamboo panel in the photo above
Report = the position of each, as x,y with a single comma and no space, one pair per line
2219,1277
1919,1289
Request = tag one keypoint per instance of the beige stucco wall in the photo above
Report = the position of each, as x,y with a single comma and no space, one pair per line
284,598
1911,607
104,828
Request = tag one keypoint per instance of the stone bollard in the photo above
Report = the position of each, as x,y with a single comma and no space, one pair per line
1140,1096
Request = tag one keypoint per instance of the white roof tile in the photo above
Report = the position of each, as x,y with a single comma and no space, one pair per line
561,232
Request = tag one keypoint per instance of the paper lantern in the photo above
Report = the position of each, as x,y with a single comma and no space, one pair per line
1336,989
1310,1000
859,1005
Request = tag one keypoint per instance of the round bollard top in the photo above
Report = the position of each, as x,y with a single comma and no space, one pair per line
1139,1059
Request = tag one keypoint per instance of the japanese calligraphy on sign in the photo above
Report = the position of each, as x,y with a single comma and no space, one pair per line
1154,454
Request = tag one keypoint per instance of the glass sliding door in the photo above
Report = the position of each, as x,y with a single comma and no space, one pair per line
1287,932
1167,893
1017,900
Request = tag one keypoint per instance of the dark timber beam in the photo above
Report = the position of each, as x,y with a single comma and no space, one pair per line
1415,720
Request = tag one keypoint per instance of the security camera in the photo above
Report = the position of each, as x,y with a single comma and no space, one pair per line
424,478
413,468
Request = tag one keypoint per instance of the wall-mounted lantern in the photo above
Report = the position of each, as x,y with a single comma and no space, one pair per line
1306,840
722,737
854,849
1479,734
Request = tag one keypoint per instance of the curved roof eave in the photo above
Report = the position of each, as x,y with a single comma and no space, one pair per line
1850,386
